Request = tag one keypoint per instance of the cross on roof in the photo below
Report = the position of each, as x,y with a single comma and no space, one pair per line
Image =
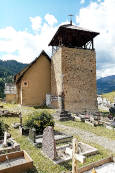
71,15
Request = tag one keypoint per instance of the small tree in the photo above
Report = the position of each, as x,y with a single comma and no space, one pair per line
39,121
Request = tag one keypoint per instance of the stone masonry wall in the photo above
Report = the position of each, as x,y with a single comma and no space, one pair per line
79,70
56,79
78,67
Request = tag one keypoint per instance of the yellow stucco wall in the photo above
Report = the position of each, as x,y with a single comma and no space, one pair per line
11,98
38,83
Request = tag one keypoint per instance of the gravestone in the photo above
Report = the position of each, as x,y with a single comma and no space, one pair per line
48,143
32,134
20,116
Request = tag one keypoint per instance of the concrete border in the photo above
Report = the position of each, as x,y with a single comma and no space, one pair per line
17,168
95,164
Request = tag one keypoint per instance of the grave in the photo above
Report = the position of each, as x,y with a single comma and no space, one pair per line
110,125
59,137
91,119
8,145
12,146
17,162
64,153
48,143
6,113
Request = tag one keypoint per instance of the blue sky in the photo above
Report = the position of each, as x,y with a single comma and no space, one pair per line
27,26
17,12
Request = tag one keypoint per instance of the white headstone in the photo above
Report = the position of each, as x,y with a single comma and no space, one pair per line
5,139
48,99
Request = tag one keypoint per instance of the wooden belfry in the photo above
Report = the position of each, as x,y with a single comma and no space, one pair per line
73,36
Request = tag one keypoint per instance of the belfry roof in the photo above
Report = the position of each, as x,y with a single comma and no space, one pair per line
71,35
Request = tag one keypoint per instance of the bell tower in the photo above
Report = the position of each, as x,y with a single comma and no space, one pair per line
73,69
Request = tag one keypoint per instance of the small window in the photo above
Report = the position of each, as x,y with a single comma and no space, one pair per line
25,83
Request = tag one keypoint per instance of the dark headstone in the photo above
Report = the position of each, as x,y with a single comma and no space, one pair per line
24,130
112,110
48,143
20,116
32,134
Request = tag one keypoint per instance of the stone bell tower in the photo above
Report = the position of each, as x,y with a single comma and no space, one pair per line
73,69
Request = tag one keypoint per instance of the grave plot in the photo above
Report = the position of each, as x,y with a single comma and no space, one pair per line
106,168
110,124
11,158
8,145
105,165
6,113
59,137
11,146
63,153
94,120
91,167
84,150
16,162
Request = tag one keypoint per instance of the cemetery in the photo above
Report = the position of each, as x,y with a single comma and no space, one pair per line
52,144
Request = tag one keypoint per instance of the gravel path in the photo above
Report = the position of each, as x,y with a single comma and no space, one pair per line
89,137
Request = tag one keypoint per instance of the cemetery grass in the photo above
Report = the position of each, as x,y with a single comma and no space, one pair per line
41,163
99,130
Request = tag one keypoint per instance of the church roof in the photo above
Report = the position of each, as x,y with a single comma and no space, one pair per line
19,75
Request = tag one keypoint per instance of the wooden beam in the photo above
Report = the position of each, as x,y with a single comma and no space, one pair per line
74,161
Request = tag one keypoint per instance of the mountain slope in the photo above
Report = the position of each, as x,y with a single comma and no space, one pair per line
106,84
7,71
11,67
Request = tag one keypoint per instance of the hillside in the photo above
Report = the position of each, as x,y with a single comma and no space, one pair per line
7,71
106,84
110,96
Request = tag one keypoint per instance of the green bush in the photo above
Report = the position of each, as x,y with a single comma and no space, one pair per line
2,128
39,121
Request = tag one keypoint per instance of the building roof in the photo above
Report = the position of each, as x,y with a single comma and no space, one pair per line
72,35
19,75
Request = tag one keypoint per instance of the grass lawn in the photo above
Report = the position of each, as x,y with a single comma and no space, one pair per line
42,164
110,96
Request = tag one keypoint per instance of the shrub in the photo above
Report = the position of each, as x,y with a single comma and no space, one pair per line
39,121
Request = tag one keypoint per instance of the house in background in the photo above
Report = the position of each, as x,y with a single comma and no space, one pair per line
34,81
10,92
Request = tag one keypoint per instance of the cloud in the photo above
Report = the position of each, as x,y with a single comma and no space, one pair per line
51,20
24,46
36,23
98,16
82,1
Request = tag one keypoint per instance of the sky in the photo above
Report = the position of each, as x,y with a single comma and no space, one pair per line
27,26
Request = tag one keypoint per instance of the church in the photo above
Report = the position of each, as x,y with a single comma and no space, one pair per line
69,75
